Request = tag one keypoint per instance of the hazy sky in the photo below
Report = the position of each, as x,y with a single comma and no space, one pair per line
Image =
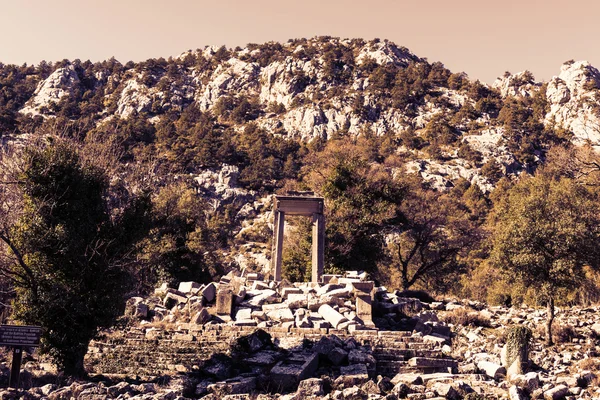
480,37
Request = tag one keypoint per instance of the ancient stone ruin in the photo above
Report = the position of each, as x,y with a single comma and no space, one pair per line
308,206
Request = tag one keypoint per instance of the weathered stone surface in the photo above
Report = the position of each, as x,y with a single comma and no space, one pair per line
243,314
201,317
331,316
556,393
337,356
360,357
189,287
224,301
514,393
285,292
310,387
174,298
407,378
281,314
528,382
259,297
493,370
288,373
236,385
445,390
425,362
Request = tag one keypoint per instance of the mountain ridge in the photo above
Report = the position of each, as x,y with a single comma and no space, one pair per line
316,88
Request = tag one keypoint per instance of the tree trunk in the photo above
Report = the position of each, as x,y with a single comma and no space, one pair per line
405,283
550,316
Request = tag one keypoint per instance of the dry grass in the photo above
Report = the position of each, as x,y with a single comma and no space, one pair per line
563,334
464,317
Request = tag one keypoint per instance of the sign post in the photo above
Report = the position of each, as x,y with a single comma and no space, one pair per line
17,337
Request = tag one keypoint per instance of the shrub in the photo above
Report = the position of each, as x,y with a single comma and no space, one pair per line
464,317
421,295
564,334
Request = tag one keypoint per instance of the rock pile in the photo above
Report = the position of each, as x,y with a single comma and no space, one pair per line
344,303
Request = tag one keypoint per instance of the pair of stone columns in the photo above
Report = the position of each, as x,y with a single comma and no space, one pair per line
306,206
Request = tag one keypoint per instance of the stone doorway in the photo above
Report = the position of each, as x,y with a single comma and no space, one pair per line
305,205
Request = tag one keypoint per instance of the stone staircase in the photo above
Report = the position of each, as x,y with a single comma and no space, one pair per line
155,352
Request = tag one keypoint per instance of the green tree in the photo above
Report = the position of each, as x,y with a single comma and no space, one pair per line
63,247
544,232
178,246
433,240
361,197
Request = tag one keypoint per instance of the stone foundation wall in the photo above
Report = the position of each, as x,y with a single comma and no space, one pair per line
153,352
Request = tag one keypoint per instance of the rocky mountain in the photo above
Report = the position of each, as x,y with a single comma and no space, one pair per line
317,88
199,113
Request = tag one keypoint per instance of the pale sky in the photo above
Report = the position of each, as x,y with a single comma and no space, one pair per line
480,37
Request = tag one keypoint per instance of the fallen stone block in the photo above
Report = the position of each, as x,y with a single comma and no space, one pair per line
285,292
189,287
331,316
446,391
352,375
310,387
435,339
201,317
281,314
343,292
259,297
209,292
287,374
263,358
359,357
556,393
295,301
528,382
259,315
434,363
337,356
233,386
245,322
493,370
328,288
174,298
243,314
252,276
255,341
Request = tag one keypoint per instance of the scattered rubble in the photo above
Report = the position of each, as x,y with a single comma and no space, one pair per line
244,338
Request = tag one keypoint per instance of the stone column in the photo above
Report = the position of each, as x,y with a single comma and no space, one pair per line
277,252
318,246
364,301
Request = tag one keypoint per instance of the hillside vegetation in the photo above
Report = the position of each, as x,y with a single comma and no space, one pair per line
431,180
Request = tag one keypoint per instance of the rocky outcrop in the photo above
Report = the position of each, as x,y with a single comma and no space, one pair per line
573,97
58,85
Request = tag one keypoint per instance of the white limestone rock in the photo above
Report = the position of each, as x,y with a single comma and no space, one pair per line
59,84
